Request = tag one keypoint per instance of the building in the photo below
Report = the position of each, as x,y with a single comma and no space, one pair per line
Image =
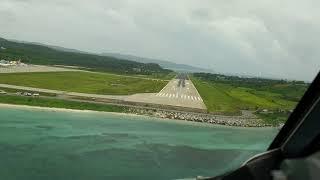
9,63
4,63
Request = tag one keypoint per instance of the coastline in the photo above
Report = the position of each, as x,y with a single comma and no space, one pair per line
142,113
54,109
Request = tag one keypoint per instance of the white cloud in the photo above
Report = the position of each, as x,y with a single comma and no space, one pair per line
272,38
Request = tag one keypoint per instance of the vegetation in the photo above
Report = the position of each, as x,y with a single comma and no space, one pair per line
84,82
289,90
43,55
274,118
230,94
58,103
168,76
217,100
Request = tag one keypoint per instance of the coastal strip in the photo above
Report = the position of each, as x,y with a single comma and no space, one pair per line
245,120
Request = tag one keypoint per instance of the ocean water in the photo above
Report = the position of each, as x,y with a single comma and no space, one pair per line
48,145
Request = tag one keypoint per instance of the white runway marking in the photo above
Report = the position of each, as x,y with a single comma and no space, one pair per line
184,95
181,96
176,95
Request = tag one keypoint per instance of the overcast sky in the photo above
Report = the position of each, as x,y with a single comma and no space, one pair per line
278,38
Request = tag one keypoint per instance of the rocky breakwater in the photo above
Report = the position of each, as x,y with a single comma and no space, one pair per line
247,119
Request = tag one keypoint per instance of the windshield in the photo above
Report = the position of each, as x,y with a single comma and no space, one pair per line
148,89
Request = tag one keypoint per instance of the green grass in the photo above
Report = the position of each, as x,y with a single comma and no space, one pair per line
217,100
161,76
58,103
84,82
275,119
261,99
228,99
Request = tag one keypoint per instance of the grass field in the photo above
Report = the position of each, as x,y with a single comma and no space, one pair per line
215,99
274,119
84,82
228,95
228,99
168,76
58,103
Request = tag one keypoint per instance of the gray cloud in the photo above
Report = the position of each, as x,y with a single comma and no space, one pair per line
269,38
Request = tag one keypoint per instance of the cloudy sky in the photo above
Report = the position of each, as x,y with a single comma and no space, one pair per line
277,38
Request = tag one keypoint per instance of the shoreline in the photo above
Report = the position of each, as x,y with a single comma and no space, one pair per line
54,109
130,113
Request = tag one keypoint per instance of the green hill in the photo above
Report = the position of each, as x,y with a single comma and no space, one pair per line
43,55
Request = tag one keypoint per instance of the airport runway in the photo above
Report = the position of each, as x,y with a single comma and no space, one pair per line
178,92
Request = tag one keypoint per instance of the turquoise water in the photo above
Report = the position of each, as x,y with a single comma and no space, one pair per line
41,144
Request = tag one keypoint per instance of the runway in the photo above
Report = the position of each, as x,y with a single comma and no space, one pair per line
174,91
179,91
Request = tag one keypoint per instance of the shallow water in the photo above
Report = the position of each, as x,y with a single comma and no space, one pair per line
42,144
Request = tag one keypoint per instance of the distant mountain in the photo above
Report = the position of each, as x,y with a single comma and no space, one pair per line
162,63
59,48
37,53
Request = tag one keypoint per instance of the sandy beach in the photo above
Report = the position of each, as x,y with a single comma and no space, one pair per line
52,109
